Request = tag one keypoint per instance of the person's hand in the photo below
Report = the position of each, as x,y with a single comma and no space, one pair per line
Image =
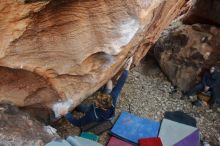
128,63
206,88
63,111
109,86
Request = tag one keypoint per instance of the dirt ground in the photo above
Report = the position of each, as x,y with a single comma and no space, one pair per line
147,94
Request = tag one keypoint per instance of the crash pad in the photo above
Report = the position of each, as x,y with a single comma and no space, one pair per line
150,142
130,127
90,136
97,127
180,117
191,140
117,142
172,133
60,142
79,141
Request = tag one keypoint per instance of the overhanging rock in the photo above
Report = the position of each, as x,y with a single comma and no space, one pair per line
70,48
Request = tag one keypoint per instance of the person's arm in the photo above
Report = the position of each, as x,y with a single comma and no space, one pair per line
118,87
120,83
108,87
69,117
88,118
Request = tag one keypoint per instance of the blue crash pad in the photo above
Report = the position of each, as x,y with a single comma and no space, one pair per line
131,128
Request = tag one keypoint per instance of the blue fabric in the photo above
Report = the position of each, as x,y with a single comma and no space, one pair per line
118,87
88,118
217,101
132,128
92,113
84,108
198,88
211,80
215,95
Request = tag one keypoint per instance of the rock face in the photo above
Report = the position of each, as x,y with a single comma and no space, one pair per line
204,12
14,125
183,51
68,49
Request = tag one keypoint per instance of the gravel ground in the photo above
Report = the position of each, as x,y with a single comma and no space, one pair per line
147,94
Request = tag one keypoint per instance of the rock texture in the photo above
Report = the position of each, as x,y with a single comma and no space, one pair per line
184,52
68,49
205,12
18,128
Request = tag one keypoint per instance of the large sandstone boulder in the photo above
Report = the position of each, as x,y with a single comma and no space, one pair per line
68,49
19,129
184,51
204,12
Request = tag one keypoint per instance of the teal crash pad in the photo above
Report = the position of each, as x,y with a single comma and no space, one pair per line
79,141
90,136
60,142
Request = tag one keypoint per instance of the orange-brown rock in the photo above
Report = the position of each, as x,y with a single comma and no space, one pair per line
68,49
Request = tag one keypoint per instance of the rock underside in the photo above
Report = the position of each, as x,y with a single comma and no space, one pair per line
68,49
20,129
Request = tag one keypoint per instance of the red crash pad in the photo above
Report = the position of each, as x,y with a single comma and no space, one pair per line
117,142
150,142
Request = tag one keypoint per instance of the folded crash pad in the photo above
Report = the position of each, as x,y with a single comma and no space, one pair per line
117,142
60,142
190,140
90,136
177,134
79,141
180,117
130,128
97,127
150,142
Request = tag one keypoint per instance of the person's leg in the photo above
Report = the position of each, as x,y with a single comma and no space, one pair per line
196,89
87,119
118,87
214,95
84,108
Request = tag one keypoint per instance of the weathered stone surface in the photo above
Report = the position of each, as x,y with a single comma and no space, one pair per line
183,51
18,128
74,46
205,12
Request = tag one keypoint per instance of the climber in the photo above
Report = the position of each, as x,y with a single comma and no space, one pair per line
104,107
210,82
